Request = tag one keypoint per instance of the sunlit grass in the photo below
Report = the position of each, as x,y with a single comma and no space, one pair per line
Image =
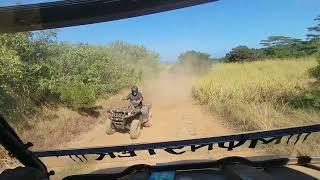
257,95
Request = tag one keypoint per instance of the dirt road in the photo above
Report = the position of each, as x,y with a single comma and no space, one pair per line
176,115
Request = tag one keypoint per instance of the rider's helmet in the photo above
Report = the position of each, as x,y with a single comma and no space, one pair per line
134,90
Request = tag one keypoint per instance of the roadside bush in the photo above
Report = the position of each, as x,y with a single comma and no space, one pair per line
143,61
315,72
50,88
241,54
36,70
313,98
192,62
11,84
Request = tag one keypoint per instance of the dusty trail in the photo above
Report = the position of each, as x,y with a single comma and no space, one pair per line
175,116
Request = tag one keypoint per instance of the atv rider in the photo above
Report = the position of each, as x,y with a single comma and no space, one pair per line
135,98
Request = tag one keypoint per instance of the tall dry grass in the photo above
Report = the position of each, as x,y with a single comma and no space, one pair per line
54,128
50,129
258,96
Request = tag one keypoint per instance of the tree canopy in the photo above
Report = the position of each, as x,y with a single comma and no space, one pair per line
314,31
279,46
272,41
195,61
240,54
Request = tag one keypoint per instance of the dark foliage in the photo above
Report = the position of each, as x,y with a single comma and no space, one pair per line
193,62
241,54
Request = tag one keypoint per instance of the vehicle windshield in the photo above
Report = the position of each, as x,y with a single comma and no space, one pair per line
210,70
7,3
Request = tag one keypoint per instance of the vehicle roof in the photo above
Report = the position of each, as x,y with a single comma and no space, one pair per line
71,13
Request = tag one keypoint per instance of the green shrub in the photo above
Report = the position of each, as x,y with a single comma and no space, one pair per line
192,62
36,70
77,95
11,84
315,72
313,98
240,54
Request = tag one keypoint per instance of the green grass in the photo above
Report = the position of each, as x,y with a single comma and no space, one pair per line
259,95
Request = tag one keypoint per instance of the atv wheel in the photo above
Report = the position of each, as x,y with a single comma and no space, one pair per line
135,129
149,122
109,129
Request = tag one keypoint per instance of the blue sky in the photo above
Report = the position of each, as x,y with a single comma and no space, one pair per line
213,28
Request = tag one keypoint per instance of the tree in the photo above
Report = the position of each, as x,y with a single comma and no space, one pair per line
240,54
314,32
287,47
272,41
137,56
195,61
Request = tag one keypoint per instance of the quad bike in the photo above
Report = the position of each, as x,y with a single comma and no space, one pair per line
128,119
